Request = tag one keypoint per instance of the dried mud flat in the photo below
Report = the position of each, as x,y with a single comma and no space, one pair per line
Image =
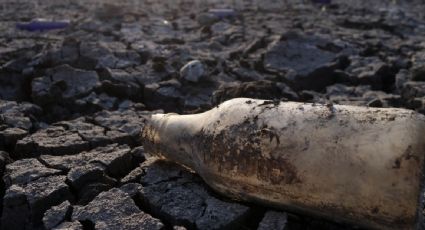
72,102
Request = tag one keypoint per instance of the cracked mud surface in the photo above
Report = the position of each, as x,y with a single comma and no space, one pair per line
73,101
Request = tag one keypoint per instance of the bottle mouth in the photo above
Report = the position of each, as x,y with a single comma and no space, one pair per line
149,134
152,133
168,136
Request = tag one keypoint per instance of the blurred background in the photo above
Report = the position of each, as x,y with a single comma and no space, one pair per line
137,51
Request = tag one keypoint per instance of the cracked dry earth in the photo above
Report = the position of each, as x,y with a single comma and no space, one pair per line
73,101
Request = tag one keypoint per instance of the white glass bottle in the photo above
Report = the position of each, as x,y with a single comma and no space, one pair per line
345,163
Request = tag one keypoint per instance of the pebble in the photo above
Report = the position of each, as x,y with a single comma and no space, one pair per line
193,71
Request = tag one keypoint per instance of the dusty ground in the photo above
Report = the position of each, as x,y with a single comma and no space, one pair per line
72,101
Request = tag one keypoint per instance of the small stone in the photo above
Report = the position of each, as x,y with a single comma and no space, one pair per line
412,89
138,154
256,89
16,121
115,159
24,205
162,97
63,83
121,84
4,160
375,103
27,170
75,225
219,214
127,123
401,78
133,176
179,228
371,71
9,136
93,188
207,19
193,102
16,116
68,53
100,55
91,172
54,140
114,209
83,175
181,197
75,136
274,221
192,71
124,90
94,134
132,189
308,61
342,94
95,102
134,221
57,214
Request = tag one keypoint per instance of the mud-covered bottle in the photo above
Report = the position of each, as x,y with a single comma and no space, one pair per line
354,164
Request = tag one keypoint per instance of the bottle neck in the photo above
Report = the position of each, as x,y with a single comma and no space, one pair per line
170,136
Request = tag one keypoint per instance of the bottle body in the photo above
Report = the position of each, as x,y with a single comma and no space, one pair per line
355,164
